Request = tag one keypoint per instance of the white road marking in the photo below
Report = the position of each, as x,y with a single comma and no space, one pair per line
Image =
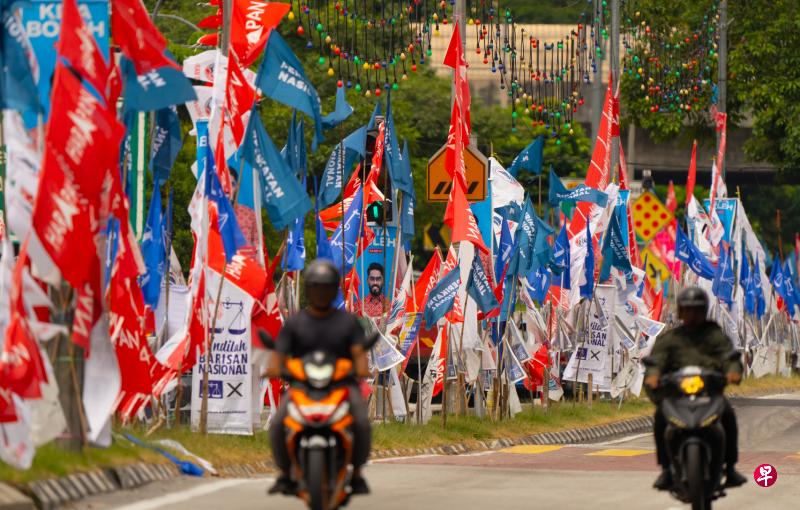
179,497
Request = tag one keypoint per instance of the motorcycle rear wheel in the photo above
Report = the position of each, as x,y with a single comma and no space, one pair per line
317,479
694,475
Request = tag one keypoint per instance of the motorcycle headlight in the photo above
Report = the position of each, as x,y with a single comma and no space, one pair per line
319,376
692,385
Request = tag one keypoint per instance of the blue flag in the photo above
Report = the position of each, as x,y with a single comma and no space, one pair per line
561,258
281,77
587,289
530,158
542,252
340,113
615,254
504,250
580,193
372,118
166,143
232,237
538,283
285,199
295,151
160,88
789,292
153,251
687,252
17,87
724,278
442,296
747,282
295,256
340,164
352,230
522,258
324,250
201,131
399,170
758,288
479,289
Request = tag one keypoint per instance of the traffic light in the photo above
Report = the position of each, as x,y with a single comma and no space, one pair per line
375,211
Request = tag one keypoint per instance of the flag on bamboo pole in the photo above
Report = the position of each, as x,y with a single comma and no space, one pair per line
153,251
442,297
672,202
692,176
724,277
78,46
587,287
462,223
339,165
614,252
686,251
166,144
341,111
581,193
426,282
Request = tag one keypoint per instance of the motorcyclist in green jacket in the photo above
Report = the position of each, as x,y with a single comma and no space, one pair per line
697,342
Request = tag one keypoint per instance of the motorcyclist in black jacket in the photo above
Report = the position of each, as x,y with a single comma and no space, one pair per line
697,342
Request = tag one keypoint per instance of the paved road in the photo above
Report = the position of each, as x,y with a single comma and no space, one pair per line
613,476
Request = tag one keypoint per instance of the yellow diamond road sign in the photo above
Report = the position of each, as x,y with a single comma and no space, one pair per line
649,216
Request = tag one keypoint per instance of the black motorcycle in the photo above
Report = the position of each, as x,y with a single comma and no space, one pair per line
695,437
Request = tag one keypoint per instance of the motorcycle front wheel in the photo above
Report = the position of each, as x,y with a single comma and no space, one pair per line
694,475
317,479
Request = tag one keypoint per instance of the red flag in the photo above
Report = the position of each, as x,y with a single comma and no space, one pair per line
692,177
463,223
8,411
239,98
242,271
221,163
138,38
721,121
21,367
209,40
212,22
672,202
599,171
372,191
454,58
251,23
77,45
623,169
426,282
126,308
536,366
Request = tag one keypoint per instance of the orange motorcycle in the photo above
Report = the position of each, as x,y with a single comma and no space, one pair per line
319,438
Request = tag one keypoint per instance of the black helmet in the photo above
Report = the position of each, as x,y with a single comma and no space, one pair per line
321,273
693,297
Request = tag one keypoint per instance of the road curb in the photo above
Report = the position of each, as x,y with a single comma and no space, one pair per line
593,434
12,499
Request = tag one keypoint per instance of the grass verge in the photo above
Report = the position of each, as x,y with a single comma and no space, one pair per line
52,461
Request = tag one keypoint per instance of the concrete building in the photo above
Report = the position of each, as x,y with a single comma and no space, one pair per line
667,161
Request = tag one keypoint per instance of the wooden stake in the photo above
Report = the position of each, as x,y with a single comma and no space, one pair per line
589,389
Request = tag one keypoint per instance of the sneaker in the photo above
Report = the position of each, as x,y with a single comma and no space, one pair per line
358,485
734,478
283,485
664,480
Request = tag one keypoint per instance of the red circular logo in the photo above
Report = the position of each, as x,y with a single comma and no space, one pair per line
765,475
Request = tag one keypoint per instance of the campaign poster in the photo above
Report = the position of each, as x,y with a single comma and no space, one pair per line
230,380
42,22
592,353
374,269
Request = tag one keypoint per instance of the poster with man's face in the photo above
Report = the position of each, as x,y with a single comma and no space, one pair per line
379,279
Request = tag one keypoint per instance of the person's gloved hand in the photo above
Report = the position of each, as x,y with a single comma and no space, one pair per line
733,377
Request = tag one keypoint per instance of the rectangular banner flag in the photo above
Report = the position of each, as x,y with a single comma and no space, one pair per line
230,378
409,334
591,356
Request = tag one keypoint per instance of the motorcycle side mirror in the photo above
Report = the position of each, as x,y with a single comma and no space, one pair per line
372,339
266,340
649,361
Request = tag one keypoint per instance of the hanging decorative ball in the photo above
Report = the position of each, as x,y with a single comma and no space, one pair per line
402,56
349,84
321,60
330,71
558,141
572,131
300,30
413,68
291,16
395,86
339,84
319,27
368,93
328,40
358,87
309,45
404,77
366,66
377,92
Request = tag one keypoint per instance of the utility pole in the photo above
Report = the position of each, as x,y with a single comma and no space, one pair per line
615,77
722,70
